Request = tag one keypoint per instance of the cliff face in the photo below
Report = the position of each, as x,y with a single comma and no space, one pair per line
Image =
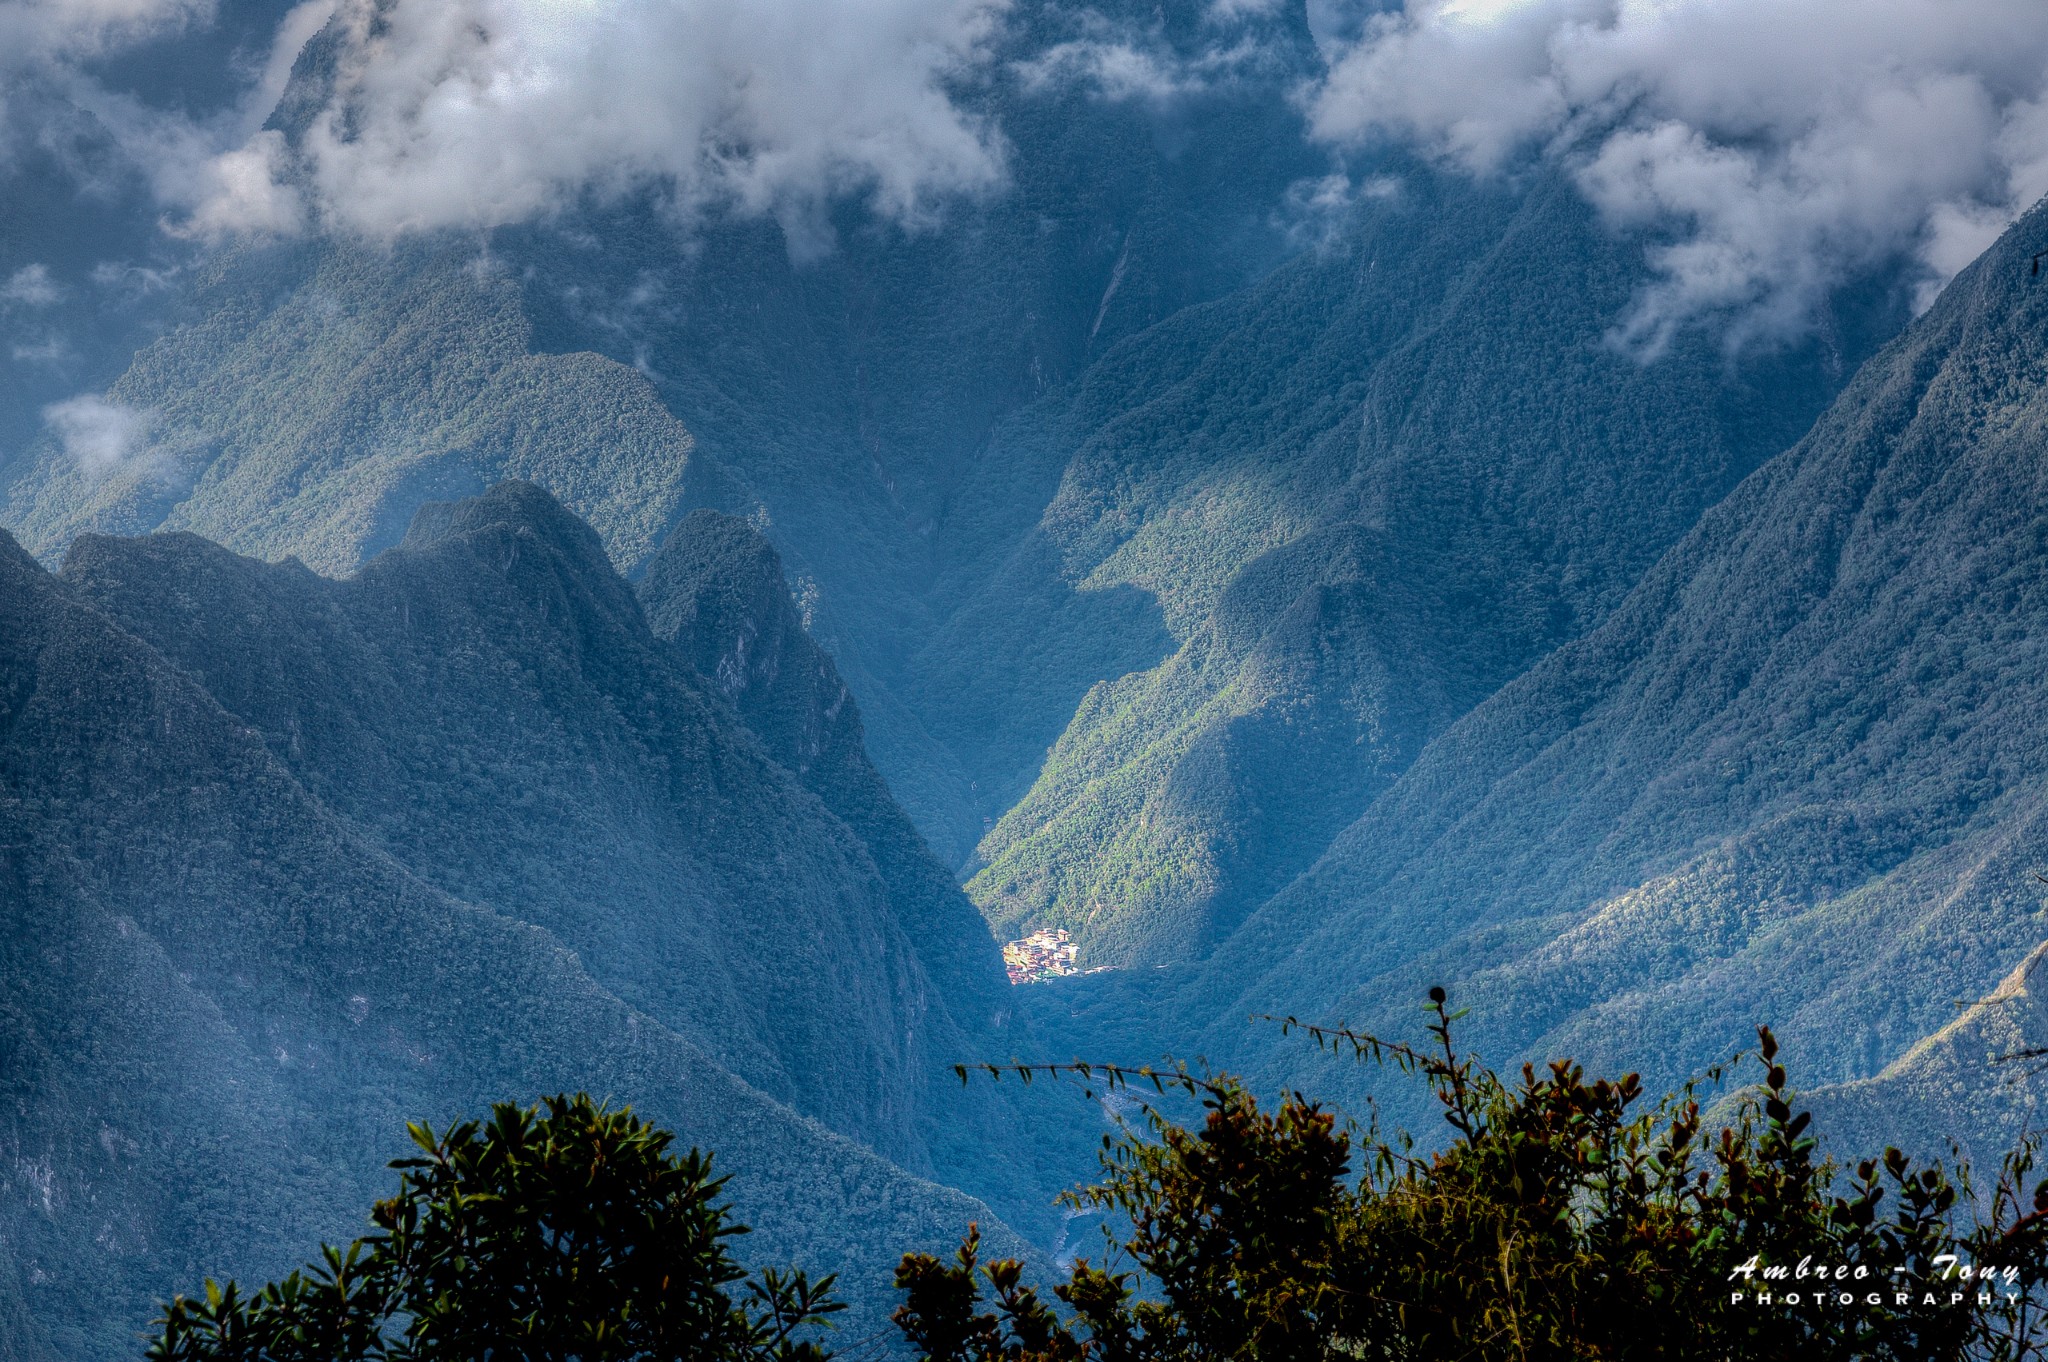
296,860
718,592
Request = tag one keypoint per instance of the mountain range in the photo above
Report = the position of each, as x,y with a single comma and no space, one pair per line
667,655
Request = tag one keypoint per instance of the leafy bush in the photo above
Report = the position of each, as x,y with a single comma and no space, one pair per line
568,1233
1563,1219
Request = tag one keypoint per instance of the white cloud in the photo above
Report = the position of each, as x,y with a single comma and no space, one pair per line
39,31
480,112
101,437
31,286
1777,147
1131,67
1316,213
47,80
1114,68
1122,60
45,349
42,43
244,190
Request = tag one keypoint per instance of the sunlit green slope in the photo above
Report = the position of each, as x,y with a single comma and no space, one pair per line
1363,494
1796,777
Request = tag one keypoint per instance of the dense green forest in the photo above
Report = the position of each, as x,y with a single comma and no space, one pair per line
1795,776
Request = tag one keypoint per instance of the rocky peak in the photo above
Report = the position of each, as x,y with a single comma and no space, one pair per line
717,591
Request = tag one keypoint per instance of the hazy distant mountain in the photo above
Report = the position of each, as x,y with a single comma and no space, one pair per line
87,271
323,394
1796,777
302,859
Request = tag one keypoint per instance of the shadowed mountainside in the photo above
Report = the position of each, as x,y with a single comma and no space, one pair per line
717,591
304,859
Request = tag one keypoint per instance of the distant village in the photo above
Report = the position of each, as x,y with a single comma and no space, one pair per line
1045,954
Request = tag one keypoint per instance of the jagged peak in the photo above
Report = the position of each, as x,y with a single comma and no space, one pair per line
95,555
716,569
514,504
717,592
510,514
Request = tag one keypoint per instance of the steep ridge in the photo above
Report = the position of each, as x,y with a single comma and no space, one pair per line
486,701
1796,777
226,994
1978,1082
489,704
718,592
716,589
1365,493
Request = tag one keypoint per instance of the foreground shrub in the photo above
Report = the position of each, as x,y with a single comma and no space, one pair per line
1563,1219
564,1230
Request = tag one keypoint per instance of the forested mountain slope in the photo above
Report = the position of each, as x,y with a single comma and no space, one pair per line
1796,777
1320,518
1364,493
304,859
322,393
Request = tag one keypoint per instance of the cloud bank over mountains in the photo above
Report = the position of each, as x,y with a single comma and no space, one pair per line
1766,151
56,97
101,437
483,112
1774,149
